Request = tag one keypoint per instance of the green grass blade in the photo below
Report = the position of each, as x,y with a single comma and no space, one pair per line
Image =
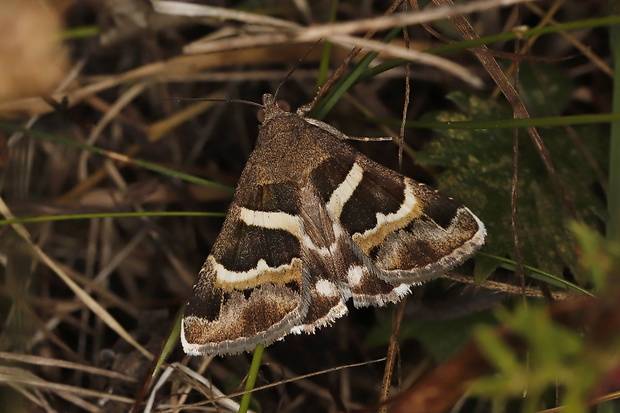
252,374
48,218
540,275
327,48
613,225
335,94
506,123
116,156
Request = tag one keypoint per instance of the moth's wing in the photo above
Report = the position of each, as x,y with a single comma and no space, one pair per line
410,232
252,288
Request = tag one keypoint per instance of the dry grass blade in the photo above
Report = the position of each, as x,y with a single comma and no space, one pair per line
337,33
42,361
512,289
199,382
24,377
325,31
178,68
110,114
200,10
579,45
101,312
388,50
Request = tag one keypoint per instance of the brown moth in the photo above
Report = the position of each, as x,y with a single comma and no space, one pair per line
313,223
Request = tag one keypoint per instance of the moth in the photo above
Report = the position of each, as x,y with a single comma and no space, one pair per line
314,223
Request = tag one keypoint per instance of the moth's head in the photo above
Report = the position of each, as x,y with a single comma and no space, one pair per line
272,108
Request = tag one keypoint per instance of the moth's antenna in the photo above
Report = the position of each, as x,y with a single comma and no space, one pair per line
247,102
295,67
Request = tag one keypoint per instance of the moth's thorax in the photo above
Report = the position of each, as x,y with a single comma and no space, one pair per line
289,148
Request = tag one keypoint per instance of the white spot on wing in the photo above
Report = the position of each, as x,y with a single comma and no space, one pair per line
345,190
326,288
355,274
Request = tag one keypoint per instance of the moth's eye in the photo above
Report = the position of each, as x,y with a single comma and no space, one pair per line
282,104
260,115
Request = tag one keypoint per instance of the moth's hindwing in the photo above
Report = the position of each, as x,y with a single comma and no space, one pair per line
312,224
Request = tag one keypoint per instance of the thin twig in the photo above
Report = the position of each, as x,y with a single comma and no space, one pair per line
391,354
